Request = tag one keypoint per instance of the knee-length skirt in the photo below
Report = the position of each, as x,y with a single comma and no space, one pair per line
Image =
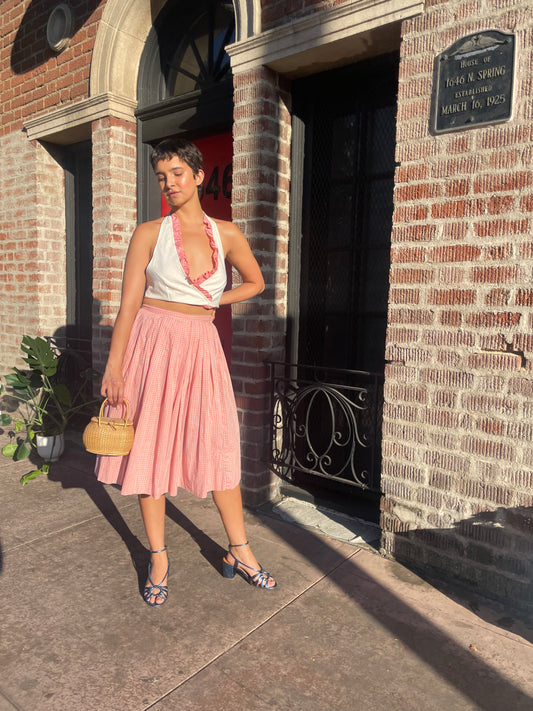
183,408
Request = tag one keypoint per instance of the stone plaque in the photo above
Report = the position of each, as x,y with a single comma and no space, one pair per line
474,82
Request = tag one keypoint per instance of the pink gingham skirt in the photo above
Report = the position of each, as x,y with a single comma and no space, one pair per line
182,404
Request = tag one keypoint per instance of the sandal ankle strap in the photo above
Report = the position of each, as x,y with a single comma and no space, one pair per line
160,551
238,545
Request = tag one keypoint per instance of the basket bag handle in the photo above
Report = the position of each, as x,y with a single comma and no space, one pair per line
124,419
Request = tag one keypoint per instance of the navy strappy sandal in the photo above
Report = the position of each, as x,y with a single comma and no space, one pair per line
258,578
156,591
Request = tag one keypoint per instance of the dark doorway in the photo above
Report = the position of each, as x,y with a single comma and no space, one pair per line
343,166
348,180
79,248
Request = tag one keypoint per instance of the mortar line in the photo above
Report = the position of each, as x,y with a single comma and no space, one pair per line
250,632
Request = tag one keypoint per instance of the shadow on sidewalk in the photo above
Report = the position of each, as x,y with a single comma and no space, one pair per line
71,476
470,675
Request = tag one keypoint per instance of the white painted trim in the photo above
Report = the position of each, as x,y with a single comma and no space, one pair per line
274,47
70,117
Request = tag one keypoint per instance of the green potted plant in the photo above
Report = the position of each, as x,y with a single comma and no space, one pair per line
47,405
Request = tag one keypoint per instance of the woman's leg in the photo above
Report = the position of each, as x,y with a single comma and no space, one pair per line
153,513
229,505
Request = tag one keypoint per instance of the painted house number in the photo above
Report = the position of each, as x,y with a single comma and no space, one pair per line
217,184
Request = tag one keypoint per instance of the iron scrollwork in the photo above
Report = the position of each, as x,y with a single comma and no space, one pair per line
325,428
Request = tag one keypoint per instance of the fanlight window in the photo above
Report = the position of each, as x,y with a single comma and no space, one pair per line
185,51
200,60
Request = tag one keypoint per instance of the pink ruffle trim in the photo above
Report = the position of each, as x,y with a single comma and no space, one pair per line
197,281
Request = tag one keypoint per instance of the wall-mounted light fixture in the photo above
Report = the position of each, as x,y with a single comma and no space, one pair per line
59,27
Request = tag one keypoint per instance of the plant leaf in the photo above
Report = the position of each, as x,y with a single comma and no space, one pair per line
32,475
19,426
39,356
5,419
21,452
17,380
9,450
62,393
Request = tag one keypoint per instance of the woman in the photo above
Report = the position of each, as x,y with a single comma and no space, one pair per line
167,361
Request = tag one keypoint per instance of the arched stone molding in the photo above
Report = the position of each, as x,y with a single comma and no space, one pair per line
119,43
247,19
122,34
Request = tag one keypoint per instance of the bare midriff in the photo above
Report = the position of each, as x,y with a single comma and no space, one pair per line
176,306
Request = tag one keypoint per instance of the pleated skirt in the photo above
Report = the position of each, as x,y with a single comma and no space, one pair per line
182,405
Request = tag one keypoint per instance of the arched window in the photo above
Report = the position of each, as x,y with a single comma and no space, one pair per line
185,83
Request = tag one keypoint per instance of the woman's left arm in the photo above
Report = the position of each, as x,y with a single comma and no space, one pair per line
239,255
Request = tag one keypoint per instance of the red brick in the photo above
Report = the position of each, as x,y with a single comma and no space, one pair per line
495,361
457,208
407,173
526,203
448,297
454,253
498,297
408,254
490,320
500,251
492,449
455,230
451,339
503,182
411,276
505,159
494,275
501,227
413,233
498,205
448,378
419,316
405,193
524,297
410,213
451,318
447,461
491,427
456,188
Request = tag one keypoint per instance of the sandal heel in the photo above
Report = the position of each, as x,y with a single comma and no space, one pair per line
228,571
258,578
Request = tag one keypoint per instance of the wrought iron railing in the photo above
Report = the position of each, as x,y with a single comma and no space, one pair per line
326,423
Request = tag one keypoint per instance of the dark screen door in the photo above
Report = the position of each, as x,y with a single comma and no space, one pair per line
79,248
348,179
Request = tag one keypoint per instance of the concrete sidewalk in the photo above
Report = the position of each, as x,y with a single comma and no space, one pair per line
345,629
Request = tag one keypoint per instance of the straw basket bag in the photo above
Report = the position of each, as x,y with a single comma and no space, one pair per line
109,435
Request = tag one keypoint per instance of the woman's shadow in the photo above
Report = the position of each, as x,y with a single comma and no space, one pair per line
75,470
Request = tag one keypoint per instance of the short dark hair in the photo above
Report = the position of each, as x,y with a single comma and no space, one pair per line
185,150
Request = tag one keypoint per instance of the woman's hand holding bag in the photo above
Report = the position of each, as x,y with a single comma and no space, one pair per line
109,435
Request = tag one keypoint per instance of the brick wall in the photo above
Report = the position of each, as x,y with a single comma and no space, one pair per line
114,219
457,453
32,243
35,80
261,173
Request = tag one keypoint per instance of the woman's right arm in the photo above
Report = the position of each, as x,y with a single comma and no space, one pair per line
133,286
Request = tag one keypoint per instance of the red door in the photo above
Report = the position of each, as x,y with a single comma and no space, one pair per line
217,151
